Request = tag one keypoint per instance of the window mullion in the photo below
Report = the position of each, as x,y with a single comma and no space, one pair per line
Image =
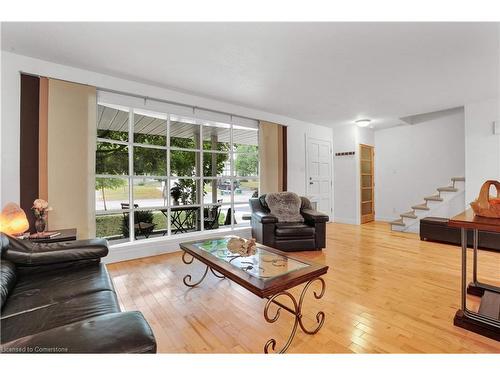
231,168
131,215
169,229
201,196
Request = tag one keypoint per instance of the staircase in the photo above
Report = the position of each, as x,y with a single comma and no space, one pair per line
448,201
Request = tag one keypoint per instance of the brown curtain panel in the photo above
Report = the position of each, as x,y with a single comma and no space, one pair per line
29,146
273,157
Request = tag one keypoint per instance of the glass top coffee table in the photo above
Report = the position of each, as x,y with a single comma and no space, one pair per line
269,273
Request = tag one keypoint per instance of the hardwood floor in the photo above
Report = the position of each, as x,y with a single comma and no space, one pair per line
387,292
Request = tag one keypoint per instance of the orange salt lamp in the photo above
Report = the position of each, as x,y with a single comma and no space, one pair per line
13,220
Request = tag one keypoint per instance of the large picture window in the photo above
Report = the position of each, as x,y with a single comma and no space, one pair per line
164,174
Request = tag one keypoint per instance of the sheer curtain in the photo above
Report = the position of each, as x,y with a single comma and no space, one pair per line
71,156
273,155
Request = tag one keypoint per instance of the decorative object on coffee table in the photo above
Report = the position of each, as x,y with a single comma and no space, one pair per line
40,209
485,205
13,220
269,274
242,246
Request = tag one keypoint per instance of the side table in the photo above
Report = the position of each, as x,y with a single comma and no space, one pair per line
486,321
66,235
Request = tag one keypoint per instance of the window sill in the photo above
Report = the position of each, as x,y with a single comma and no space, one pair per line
164,245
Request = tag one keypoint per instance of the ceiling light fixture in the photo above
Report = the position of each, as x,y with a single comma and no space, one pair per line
363,123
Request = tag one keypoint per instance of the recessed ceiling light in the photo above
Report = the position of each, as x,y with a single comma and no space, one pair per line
363,123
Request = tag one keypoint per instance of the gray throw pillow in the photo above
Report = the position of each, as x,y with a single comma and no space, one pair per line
285,206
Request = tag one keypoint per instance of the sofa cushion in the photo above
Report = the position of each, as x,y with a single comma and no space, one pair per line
41,289
295,244
294,230
29,254
126,332
285,206
57,314
7,279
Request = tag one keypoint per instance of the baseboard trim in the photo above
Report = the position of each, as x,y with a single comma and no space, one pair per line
383,218
157,246
344,220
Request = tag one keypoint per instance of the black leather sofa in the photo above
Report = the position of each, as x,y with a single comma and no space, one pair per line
309,235
59,298
437,229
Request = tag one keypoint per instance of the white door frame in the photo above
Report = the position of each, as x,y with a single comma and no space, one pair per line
306,182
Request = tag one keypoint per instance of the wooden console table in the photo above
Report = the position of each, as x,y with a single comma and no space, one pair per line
487,320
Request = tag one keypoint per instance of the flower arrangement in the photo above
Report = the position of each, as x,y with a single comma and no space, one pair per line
40,209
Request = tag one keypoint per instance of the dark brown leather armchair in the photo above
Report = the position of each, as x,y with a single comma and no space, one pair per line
309,235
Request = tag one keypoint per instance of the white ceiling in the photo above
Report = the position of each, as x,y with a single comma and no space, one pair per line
324,73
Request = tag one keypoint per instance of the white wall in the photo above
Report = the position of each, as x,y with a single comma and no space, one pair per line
346,169
13,64
412,161
482,147
344,175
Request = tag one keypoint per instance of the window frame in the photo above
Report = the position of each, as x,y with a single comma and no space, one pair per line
168,178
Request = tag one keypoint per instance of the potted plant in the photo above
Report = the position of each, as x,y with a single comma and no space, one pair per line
175,193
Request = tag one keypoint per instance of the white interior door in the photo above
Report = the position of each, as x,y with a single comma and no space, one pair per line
319,174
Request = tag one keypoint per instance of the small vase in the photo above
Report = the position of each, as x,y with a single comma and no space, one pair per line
40,225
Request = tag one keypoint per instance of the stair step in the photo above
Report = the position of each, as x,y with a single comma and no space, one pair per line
447,188
422,206
436,198
409,214
399,222
458,178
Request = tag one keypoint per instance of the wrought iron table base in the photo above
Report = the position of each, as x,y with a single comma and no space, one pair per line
295,310
187,279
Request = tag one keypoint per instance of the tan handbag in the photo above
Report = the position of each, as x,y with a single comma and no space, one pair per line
486,206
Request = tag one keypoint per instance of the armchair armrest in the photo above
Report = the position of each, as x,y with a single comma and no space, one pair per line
124,332
313,216
264,217
25,253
